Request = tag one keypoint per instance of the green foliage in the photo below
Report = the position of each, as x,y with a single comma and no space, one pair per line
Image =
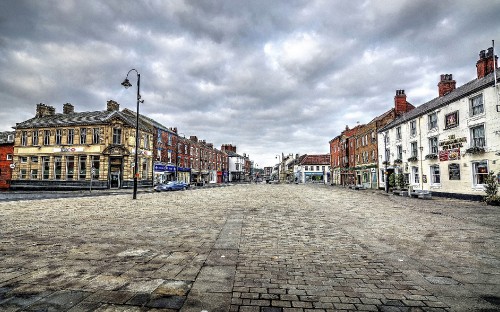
392,180
400,181
491,189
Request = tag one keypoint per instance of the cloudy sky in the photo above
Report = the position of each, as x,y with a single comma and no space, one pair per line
270,77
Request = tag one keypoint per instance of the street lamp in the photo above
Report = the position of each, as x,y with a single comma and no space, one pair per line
386,161
126,83
279,166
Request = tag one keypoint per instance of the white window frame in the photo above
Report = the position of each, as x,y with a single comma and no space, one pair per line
475,172
433,148
478,139
433,175
476,105
413,128
415,173
433,121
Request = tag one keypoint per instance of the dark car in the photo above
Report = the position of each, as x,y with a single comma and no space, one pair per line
171,186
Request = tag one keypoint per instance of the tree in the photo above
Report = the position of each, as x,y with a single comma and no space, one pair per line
491,189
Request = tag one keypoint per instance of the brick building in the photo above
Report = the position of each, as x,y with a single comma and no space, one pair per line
6,158
354,153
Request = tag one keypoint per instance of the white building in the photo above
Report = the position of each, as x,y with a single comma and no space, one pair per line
313,169
449,144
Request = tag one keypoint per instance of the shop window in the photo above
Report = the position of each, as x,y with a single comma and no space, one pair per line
70,167
480,172
45,167
95,167
57,167
82,167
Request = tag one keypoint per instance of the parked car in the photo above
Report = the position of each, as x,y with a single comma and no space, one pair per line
171,186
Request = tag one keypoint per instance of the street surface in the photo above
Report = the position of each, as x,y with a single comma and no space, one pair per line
245,248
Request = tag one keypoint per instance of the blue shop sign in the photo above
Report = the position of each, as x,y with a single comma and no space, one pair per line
171,168
160,167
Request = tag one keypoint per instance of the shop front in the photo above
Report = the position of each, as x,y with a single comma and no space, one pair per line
163,173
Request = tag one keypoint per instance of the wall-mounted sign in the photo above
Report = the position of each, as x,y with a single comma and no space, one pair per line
452,142
451,154
451,120
454,171
68,149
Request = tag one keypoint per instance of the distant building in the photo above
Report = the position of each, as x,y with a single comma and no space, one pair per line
313,169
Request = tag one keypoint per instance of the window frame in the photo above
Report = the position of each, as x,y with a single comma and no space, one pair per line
432,121
476,174
433,148
474,139
473,107
435,175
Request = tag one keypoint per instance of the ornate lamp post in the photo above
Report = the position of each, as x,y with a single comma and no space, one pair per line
126,83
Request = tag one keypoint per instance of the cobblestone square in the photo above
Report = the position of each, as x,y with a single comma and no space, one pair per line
269,248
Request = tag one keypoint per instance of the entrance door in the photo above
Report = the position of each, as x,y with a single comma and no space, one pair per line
115,170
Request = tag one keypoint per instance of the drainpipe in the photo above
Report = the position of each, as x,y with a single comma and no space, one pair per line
421,180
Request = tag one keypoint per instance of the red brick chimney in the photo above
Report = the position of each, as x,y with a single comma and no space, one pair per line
446,85
484,65
401,106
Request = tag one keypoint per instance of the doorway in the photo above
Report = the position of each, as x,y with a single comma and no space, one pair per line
115,172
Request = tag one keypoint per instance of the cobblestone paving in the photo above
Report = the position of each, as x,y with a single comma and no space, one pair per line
269,248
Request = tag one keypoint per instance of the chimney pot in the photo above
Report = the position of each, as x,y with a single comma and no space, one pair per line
112,106
68,108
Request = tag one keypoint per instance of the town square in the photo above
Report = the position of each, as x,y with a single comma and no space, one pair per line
249,247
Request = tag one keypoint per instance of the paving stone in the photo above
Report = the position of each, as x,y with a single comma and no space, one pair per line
311,246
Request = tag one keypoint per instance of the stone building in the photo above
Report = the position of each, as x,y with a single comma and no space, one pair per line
76,150
449,144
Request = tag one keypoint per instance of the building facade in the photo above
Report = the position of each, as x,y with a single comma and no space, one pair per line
73,150
313,169
449,144
6,158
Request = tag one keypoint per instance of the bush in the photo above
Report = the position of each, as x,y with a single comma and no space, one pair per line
493,200
491,189
392,180
400,181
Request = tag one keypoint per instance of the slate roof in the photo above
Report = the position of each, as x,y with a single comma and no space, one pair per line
80,119
460,92
4,137
323,159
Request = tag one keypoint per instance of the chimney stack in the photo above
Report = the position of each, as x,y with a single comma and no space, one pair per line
43,110
68,108
446,85
486,63
113,106
400,104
